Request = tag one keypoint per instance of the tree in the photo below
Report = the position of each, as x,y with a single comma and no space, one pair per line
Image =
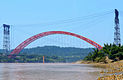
111,50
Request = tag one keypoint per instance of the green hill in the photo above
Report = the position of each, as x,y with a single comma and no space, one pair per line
57,51
70,54
67,54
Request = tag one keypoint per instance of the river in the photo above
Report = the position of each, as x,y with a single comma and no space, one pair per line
48,71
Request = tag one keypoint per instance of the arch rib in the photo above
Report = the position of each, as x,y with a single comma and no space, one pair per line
35,37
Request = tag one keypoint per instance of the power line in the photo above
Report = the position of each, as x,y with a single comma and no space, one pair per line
80,22
69,20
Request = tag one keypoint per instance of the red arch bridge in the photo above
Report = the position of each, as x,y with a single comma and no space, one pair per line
40,35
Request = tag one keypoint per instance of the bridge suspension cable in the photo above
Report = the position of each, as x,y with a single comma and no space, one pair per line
35,37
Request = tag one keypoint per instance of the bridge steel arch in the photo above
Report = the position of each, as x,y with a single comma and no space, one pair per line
40,35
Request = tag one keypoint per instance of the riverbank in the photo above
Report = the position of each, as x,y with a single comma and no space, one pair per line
113,71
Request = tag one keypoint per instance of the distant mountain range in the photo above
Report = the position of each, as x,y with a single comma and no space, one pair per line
57,51
69,53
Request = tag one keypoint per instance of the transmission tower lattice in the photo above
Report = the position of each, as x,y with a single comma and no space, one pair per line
6,39
117,39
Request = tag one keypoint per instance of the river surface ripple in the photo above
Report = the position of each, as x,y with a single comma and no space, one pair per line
48,71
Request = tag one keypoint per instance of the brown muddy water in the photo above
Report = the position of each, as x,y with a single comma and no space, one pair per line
48,71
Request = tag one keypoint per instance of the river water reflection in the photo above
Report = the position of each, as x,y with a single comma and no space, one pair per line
49,71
